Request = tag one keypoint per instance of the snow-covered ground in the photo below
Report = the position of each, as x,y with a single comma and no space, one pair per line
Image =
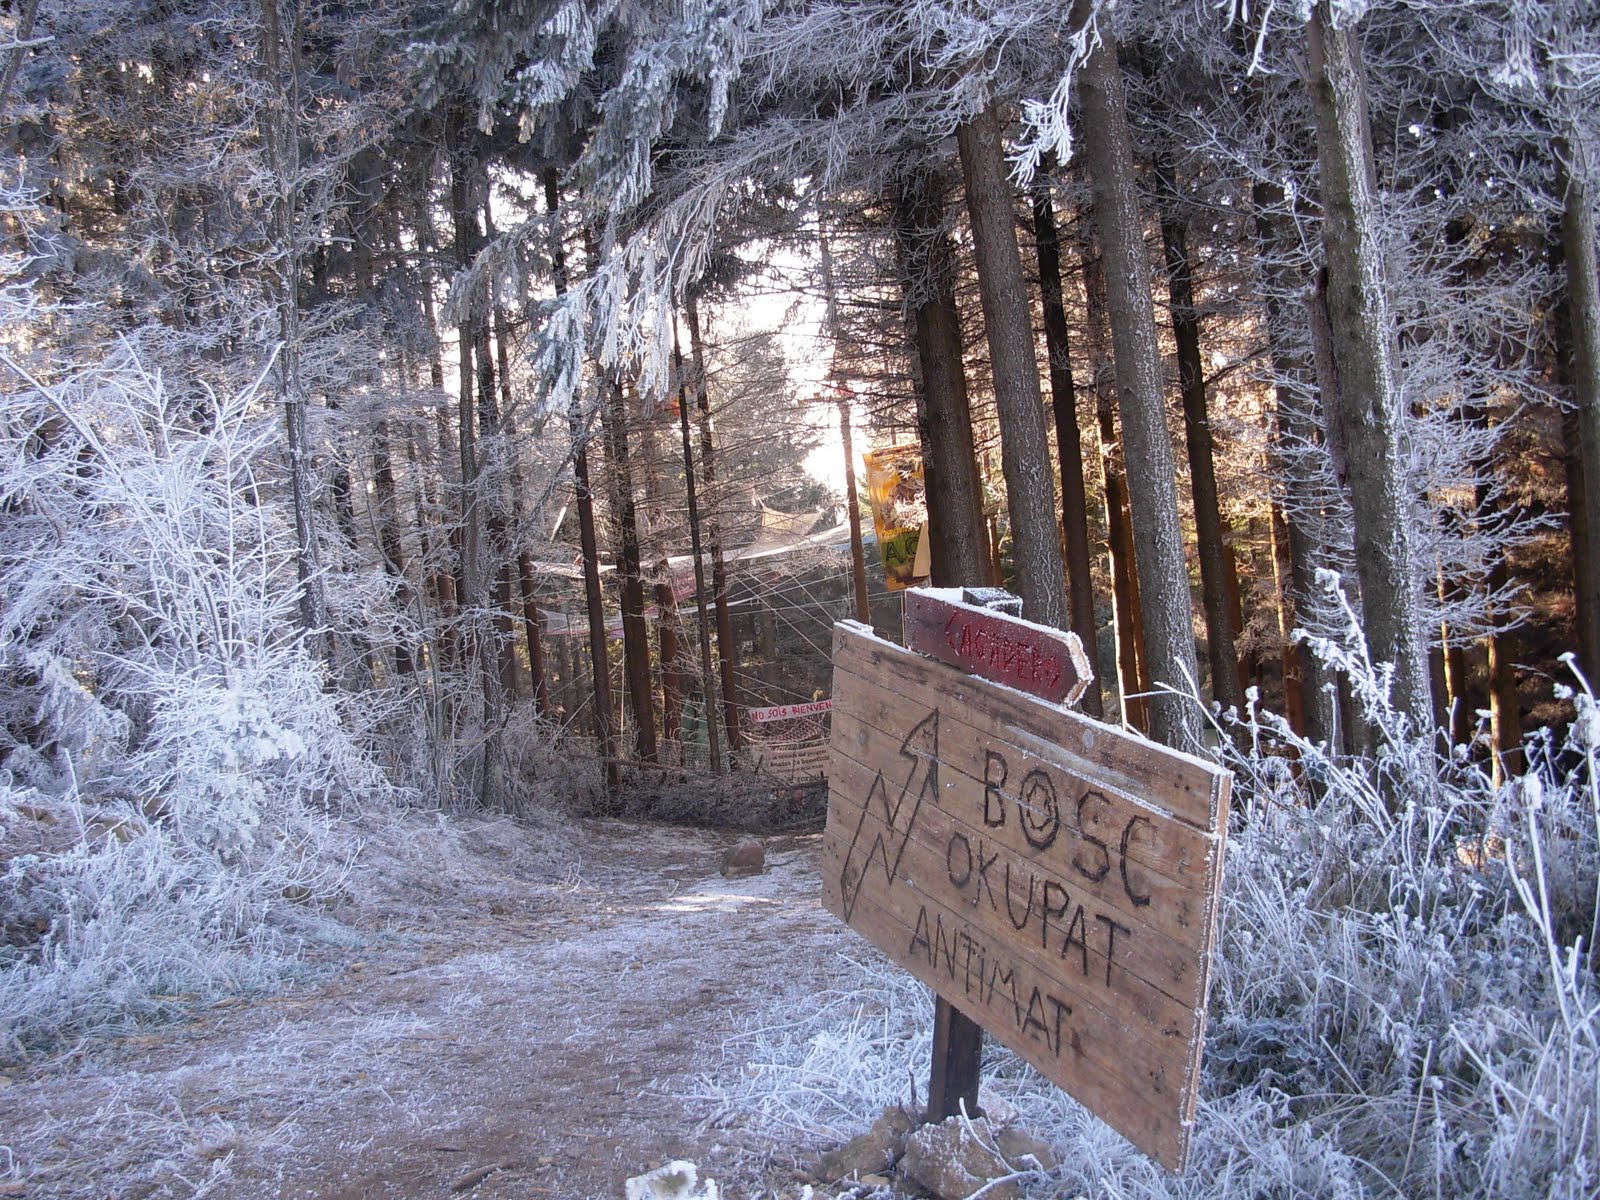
511,1018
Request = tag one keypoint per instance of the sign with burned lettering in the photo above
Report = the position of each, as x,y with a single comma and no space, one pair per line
1053,877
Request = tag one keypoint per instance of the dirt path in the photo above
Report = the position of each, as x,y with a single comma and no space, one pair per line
507,1035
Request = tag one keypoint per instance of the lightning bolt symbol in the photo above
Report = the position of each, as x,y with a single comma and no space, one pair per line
921,749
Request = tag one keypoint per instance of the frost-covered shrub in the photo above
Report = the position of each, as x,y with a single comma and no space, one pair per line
1405,973
170,752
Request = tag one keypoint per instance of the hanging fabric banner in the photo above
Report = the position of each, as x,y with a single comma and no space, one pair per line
899,501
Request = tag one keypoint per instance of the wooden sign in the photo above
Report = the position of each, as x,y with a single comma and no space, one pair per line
1044,662
783,712
1051,876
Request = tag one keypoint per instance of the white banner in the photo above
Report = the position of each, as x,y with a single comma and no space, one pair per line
782,712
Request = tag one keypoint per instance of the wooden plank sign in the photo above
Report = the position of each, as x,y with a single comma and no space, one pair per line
1042,661
1053,877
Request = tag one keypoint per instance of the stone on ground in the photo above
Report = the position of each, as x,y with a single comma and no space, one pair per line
955,1158
875,1151
745,857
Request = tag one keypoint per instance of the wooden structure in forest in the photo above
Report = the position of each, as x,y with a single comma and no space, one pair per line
1052,877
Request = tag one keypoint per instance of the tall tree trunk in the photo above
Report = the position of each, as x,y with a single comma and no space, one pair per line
1069,444
280,129
727,650
602,712
927,275
960,551
713,740
852,503
1008,325
1295,428
1368,415
18,52
1164,595
449,575
1582,371
858,557
508,675
1294,697
526,579
630,572
1505,706
653,548
438,578
1216,565
469,585
1127,626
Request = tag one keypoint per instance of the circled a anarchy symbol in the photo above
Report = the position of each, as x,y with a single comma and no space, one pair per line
1039,809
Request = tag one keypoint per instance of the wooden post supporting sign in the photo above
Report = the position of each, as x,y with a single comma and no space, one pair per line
1053,878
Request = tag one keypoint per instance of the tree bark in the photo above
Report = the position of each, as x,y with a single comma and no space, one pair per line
1164,594
958,541
858,557
852,503
635,631
1368,412
713,741
604,717
1295,426
653,543
281,137
526,582
1216,566
1293,658
1582,372
1127,626
1008,326
469,585
1069,443
727,651
508,669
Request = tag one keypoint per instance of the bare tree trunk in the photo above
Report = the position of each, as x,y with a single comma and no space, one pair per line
281,136
447,573
604,718
469,586
1368,413
1505,706
437,579
1164,595
852,503
635,632
508,669
1127,626
1069,444
1582,372
1296,425
15,56
1294,698
950,464
858,557
713,740
1008,325
1216,567
727,651
653,548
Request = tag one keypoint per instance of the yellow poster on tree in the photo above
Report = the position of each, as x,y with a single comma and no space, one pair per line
899,500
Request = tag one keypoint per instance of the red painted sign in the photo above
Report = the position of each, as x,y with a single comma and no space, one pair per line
1044,662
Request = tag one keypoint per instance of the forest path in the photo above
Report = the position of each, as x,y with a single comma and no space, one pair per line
500,1037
